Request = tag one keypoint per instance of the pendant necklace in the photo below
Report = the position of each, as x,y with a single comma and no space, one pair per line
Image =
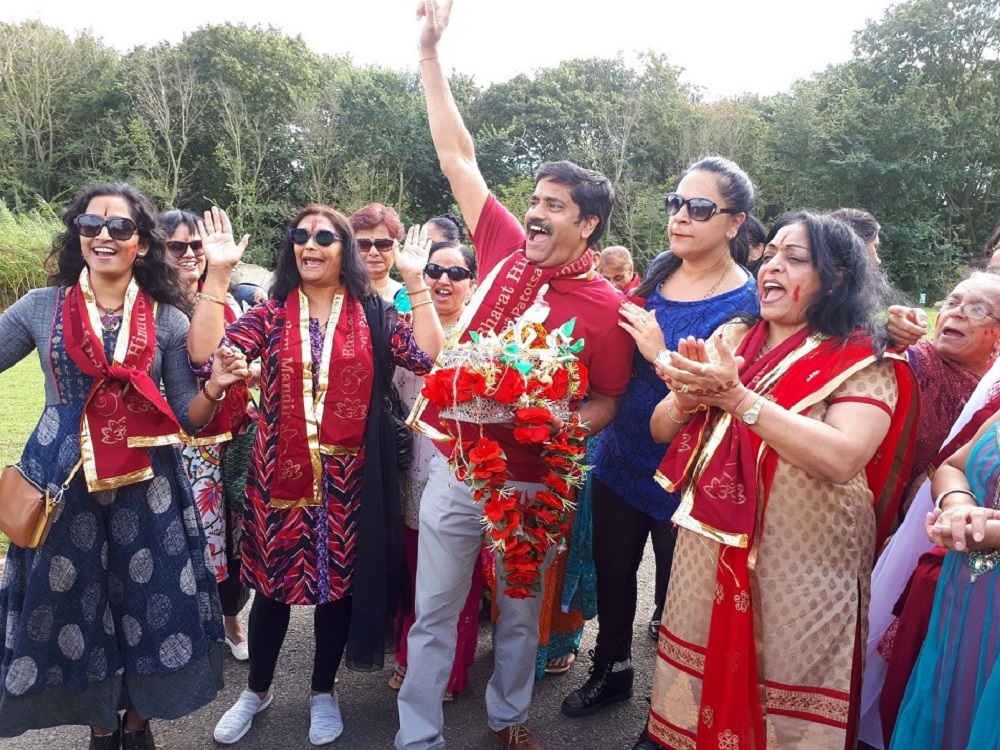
109,321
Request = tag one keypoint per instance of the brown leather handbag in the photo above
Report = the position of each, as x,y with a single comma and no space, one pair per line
26,510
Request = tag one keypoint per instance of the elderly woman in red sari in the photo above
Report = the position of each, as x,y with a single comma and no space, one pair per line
789,442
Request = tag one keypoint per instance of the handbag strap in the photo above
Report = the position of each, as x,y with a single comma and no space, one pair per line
65,485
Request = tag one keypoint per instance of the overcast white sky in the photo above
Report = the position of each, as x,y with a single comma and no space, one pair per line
727,47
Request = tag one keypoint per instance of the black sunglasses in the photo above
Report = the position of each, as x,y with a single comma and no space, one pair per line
699,209
383,245
178,248
324,237
90,225
455,273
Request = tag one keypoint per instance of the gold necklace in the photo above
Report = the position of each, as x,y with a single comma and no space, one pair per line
725,272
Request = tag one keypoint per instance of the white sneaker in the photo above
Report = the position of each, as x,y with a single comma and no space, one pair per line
240,651
236,721
325,722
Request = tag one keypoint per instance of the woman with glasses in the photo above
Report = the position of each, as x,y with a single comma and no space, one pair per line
451,275
221,517
322,524
689,290
379,231
789,443
117,610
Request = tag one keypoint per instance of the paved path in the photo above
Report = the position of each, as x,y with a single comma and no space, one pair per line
369,706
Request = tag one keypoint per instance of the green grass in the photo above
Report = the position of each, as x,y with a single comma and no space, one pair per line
22,397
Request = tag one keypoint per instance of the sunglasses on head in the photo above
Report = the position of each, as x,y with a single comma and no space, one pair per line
324,237
119,228
455,273
178,248
383,245
699,209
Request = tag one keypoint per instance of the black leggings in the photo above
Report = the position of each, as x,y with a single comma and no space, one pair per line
233,593
267,629
620,533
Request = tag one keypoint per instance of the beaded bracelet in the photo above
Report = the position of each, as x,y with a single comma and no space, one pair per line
210,298
674,419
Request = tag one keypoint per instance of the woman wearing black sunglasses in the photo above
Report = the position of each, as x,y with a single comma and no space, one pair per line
689,290
204,463
451,275
378,230
322,524
117,609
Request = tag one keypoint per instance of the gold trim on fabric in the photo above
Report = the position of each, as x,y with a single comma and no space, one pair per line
305,502
197,442
686,659
155,442
113,482
666,735
338,450
808,702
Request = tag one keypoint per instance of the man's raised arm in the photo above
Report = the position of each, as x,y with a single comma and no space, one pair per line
452,140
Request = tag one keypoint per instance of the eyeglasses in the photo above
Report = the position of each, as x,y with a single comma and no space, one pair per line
119,228
324,237
455,273
699,209
972,310
383,245
179,249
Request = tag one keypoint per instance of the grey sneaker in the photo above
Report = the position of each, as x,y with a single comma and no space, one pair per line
236,721
325,721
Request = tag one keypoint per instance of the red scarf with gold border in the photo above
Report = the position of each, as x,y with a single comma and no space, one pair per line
330,417
124,412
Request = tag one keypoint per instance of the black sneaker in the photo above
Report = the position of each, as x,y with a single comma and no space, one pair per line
609,682
141,740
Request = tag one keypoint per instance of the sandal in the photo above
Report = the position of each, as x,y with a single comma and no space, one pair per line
398,675
568,659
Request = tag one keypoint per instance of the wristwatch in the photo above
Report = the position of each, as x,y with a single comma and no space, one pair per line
751,415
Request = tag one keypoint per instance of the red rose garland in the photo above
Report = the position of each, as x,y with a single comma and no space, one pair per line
522,527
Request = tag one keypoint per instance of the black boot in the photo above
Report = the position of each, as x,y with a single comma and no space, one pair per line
609,682
141,740
111,741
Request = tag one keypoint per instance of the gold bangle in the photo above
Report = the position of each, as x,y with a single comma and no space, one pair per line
210,298
418,291
421,304
674,419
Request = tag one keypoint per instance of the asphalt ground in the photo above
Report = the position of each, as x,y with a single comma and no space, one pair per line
369,705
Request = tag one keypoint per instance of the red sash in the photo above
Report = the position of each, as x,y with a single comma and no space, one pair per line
505,294
727,472
231,412
331,419
124,411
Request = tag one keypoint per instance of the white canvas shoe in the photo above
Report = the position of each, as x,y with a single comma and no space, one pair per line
325,722
237,720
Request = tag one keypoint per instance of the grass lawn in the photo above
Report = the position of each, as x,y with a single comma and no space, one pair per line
22,396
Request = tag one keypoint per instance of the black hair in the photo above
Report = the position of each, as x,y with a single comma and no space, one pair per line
170,220
853,291
450,226
590,190
737,191
352,268
154,273
863,223
467,253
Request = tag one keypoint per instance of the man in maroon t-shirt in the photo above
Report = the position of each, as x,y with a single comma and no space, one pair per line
568,212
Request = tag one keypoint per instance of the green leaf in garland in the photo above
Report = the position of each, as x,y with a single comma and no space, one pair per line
567,327
523,367
474,335
576,345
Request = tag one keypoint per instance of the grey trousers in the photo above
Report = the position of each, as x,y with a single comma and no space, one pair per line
451,537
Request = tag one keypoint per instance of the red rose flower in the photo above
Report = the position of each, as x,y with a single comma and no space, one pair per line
532,434
559,386
438,387
468,385
509,386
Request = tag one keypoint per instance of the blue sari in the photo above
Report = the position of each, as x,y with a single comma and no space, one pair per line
953,697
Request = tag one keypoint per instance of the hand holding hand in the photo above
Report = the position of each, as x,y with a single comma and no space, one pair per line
906,325
957,527
412,258
229,366
436,16
644,328
695,379
217,239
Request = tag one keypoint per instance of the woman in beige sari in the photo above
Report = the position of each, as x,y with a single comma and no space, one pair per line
789,441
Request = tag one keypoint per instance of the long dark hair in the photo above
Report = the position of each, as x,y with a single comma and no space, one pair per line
853,291
352,269
154,274
737,190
